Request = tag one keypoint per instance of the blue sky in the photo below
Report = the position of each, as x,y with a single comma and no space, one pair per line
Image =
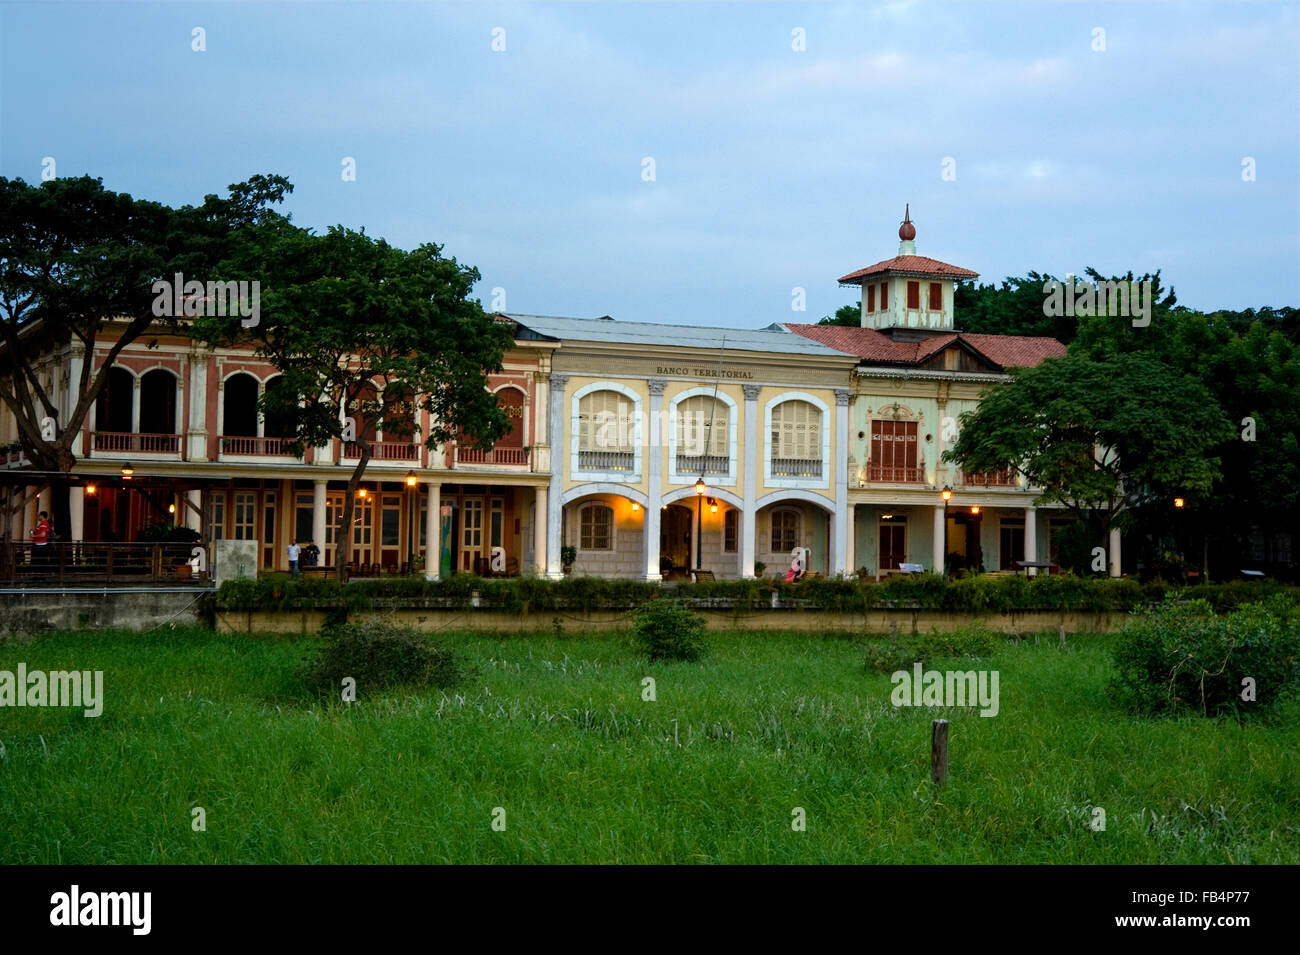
774,168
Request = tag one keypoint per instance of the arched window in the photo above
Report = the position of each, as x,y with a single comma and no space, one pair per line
239,414
158,402
511,401
596,527
606,432
277,423
785,530
113,406
796,440
703,429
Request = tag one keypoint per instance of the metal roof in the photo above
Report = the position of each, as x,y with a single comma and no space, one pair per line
773,339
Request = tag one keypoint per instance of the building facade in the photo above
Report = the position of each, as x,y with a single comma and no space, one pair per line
638,450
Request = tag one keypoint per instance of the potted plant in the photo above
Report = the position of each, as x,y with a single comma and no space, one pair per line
759,567
568,554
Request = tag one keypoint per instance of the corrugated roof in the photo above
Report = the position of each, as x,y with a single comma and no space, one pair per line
773,339
870,345
909,265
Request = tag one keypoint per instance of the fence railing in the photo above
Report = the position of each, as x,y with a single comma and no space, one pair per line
91,562
269,447
606,460
384,450
892,475
507,456
797,467
990,478
134,442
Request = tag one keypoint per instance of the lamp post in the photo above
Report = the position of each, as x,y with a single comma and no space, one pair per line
946,494
700,488
410,522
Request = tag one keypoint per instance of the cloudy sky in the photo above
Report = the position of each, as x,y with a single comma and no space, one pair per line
774,168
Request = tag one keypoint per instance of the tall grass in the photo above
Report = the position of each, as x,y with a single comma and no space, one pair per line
555,730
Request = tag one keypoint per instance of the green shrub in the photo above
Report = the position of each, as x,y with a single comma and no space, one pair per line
668,630
378,657
1183,657
974,641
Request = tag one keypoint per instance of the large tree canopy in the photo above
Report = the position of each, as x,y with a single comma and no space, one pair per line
363,334
1099,437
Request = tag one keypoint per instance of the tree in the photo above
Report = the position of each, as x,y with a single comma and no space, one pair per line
1098,436
75,257
366,334
850,315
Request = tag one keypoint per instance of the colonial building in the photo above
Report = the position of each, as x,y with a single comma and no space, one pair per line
638,450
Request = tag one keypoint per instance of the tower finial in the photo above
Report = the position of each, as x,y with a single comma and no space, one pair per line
907,231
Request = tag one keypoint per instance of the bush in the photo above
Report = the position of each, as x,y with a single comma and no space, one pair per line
1183,657
887,656
667,630
378,657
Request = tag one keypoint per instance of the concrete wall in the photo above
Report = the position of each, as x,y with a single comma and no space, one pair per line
36,611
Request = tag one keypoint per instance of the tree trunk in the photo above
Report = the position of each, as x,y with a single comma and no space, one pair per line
343,548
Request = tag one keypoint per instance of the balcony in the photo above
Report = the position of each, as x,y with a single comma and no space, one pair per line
385,450
607,461
892,475
508,457
703,464
797,467
127,442
266,447
1004,478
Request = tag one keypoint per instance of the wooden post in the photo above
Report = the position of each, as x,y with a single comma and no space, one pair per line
939,751
1062,634
893,631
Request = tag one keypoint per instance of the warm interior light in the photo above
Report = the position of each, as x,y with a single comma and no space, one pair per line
1179,502
90,489
171,508
410,479
700,486
886,517
636,506
361,492
127,470
947,494
975,509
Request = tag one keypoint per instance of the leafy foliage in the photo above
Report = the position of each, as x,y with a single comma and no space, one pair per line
1185,658
378,657
888,656
668,630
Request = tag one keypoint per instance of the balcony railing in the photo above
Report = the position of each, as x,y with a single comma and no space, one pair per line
504,456
606,460
893,475
131,442
269,447
703,464
797,467
1006,478
385,450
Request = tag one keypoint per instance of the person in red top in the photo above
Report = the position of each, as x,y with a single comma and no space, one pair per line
41,538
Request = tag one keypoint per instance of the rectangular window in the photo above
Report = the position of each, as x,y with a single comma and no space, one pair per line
363,521
893,451
871,298
497,522
936,296
303,513
1011,542
390,521
268,517
884,296
218,518
913,295
730,529
245,516
596,528
333,515
785,531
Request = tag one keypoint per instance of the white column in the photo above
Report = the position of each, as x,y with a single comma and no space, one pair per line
750,462
194,510
559,461
1114,552
76,513
939,524
839,556
851,539
135,405
540,520
77,359
1031,538
654,472
318,517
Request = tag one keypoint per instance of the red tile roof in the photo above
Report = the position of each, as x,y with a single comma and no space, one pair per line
910,265
875,347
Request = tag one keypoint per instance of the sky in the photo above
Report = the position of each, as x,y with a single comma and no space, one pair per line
698,163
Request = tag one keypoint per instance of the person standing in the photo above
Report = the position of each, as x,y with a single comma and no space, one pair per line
294,550
41,535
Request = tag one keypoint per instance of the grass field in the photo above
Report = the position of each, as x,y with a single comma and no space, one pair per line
553,729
